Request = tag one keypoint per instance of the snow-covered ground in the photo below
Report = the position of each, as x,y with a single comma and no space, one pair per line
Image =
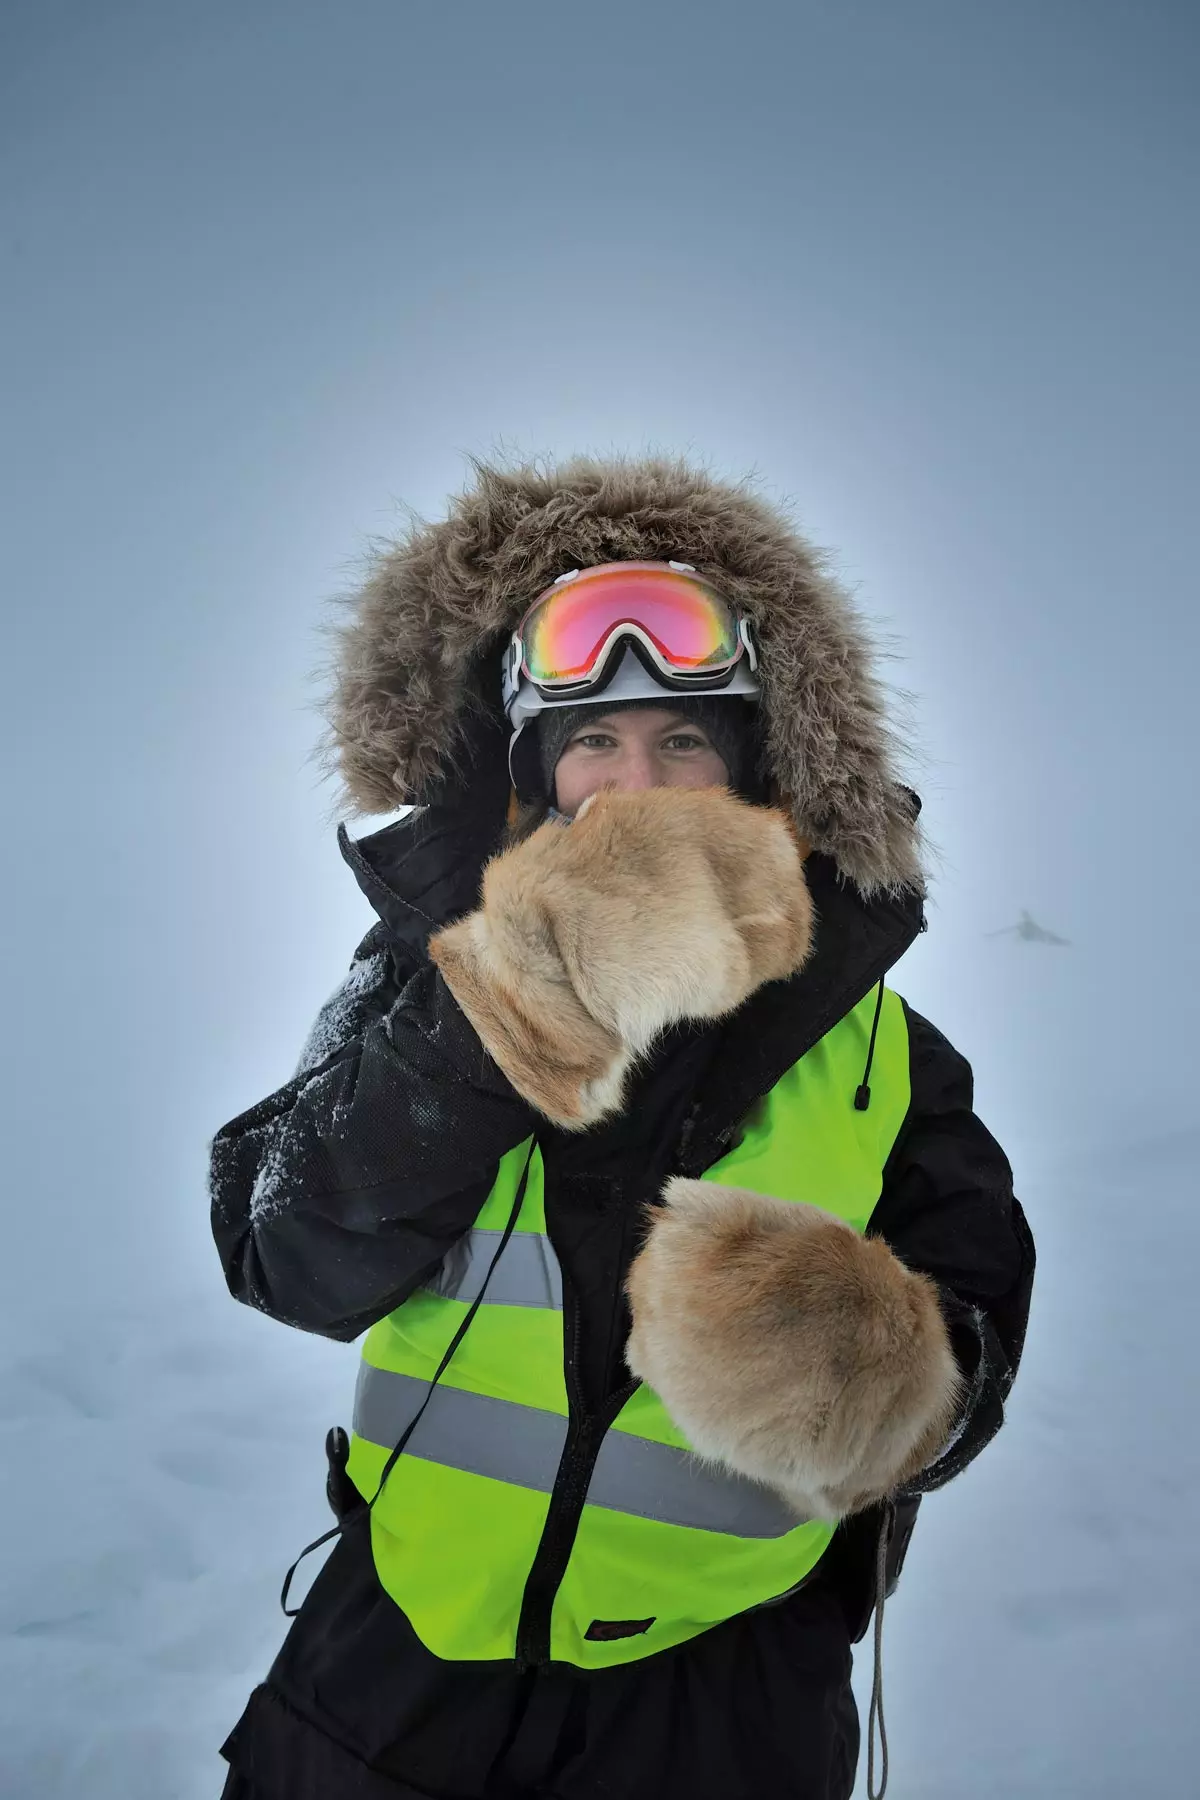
1042,1640
165,1466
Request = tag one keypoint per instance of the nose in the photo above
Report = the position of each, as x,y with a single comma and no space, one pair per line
638,769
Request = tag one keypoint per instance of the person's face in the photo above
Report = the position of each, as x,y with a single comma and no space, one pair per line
645,747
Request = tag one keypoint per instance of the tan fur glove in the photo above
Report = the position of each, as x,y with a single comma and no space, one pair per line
656,906
789,1348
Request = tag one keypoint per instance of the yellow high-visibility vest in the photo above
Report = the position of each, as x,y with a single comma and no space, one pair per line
665,1546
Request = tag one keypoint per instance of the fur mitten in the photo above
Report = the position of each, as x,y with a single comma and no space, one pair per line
655,906
789,1348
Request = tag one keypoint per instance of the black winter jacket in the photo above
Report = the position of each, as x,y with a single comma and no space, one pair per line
339,1195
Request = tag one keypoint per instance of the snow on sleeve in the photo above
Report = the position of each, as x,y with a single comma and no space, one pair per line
322,1106
347,1011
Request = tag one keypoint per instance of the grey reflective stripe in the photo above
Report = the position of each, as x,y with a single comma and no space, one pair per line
526,1275
657,1481
523,1445
461,1430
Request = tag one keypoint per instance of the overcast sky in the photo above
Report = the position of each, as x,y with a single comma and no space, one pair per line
271,270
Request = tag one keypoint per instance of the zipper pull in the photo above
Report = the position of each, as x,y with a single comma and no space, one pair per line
687,1131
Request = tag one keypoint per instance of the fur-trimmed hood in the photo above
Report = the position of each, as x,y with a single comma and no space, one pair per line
419,655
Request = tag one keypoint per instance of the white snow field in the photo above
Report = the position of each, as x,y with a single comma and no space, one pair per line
1042,1640
165,1464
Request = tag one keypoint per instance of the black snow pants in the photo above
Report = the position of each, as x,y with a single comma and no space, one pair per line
355,1708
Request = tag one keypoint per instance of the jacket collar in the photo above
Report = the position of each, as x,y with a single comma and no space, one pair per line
421,873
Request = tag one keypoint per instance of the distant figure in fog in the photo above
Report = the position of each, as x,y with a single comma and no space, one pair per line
1029,932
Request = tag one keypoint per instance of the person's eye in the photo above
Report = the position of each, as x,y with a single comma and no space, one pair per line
592,740
684,740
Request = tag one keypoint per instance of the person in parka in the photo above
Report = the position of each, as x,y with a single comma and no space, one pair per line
684,1264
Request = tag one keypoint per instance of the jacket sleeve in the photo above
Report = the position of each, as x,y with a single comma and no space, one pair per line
334,1198
947,1208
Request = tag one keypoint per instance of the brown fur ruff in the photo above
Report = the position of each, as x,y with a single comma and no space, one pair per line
420,650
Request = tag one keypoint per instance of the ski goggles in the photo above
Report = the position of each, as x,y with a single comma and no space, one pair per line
685,632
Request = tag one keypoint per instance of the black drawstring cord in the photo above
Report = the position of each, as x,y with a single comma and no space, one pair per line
876,1710
455,1341
862,1101
862,1098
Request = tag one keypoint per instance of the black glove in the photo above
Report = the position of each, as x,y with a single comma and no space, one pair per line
424,871
340,1491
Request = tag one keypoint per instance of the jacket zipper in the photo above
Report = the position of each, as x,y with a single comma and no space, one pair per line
584,1437
585,1434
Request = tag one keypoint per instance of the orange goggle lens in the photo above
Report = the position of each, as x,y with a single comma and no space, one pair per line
688,625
